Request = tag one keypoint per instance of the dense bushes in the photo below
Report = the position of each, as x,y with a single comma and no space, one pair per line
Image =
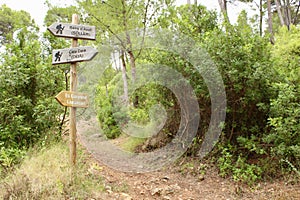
284,118
27,107
261,80
107,114
262,122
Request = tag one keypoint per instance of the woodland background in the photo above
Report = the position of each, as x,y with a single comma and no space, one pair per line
260,69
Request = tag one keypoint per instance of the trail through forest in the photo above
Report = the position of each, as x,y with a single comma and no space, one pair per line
186,179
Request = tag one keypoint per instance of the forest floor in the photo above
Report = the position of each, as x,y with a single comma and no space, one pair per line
47,174
186,179
173,183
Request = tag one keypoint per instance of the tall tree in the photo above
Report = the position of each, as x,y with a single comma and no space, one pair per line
270,21
295,18
278,7
261,14
124,77
28,84
223,6
113,17
287,11
10,21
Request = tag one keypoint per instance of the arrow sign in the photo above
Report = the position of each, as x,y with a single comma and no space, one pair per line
73,99
73,31
70,55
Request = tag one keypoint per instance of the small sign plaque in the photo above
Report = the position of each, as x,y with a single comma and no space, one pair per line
71,55
73,99
73,31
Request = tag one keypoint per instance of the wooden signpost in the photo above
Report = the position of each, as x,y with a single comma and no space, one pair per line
73,55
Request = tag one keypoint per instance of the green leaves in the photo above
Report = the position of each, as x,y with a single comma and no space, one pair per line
10,21
286,54
194,21
284,119
27,106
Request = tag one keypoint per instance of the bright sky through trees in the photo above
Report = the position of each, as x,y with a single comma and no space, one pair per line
38,9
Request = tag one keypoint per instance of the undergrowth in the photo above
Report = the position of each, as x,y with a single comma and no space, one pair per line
48,175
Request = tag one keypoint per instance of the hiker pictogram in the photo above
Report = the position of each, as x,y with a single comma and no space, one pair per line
58,56
59,29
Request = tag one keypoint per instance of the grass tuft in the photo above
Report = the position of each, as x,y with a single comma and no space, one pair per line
48,175
128,143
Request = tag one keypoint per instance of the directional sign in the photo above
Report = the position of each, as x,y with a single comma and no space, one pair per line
70,55
73,31
73,99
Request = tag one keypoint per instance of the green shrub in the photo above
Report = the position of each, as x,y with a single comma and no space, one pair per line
29,83
10,156
236,166
139,115
284,117
105,113
285,125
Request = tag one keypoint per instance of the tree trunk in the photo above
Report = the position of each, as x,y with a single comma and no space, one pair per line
270,21
124,77
223,6
128,44
288,16
278,7
133,69
296,14
131,58
261,17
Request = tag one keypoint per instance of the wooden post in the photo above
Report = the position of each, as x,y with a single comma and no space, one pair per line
73,55
73,88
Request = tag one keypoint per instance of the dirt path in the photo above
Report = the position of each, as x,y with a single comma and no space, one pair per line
184,180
